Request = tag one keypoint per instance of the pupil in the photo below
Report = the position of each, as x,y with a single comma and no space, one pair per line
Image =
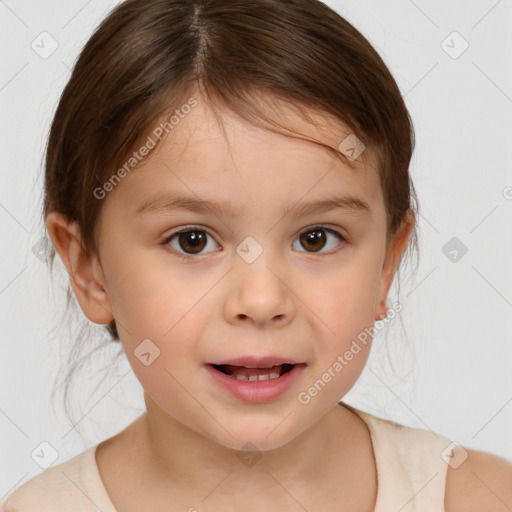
313,237
194,239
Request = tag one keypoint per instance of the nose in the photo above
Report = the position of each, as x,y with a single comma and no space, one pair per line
260,295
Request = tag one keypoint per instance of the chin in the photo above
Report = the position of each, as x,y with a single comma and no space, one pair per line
256,436
255,443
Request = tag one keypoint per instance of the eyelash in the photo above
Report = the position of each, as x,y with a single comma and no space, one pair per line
189,257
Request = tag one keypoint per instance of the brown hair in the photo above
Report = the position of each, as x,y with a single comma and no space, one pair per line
147,58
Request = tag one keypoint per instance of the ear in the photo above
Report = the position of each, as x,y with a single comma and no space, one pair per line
394,253
84,269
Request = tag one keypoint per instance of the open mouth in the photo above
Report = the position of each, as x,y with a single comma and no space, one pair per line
253,374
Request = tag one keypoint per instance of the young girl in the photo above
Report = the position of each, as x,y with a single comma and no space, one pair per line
227,185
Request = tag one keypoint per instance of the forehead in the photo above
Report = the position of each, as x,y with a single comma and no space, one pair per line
208,132
228,158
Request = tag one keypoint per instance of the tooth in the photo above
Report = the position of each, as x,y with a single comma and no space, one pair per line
273,373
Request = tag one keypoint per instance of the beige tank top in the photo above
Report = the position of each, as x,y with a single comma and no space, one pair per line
410,470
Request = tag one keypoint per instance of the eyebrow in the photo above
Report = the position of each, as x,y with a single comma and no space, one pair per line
163,203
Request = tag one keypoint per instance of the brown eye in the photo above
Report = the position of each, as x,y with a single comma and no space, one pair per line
189,242
192,241
315,239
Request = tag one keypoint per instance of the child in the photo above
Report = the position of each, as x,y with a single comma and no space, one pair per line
227,185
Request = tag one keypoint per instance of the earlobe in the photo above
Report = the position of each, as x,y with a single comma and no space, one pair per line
85,273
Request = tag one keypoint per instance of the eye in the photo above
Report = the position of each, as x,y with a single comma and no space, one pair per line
192,240
316,238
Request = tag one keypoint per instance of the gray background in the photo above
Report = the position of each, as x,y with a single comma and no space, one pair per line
452,373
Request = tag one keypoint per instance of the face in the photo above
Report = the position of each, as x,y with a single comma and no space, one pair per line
256,278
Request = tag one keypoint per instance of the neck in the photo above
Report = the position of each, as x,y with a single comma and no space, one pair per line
331,449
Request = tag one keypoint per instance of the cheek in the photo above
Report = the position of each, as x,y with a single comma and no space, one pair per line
164,364
150,298
345,300
169,389
168,311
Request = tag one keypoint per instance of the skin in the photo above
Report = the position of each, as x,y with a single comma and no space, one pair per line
291,301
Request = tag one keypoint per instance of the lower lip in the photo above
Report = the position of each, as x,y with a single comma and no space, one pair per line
256,390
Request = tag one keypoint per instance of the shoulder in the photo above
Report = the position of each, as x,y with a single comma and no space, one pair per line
482,483
472,481
54,489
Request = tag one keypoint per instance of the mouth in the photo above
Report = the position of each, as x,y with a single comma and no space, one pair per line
255,379
253,374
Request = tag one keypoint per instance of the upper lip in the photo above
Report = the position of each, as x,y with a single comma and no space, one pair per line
257,362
